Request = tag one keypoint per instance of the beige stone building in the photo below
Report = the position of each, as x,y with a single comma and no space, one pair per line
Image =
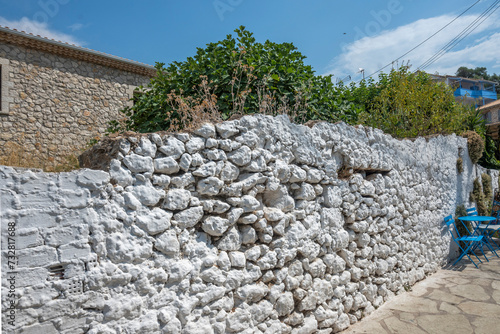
55,97
491,113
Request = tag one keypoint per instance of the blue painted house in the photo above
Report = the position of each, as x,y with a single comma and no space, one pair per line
470,91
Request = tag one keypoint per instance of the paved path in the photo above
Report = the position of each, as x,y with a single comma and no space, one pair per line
460,299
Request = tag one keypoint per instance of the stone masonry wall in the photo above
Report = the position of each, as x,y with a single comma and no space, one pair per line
254,225
52,106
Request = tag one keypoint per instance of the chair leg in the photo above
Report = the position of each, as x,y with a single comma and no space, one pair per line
466,252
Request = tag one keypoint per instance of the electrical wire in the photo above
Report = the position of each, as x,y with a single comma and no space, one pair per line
461,36
428,38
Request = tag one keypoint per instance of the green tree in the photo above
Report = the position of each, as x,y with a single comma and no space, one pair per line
236,76
407,104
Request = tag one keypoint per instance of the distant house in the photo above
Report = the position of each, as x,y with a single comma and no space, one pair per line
55,97
491,113
476,92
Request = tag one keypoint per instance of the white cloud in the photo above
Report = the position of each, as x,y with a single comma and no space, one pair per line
38,28
76,26
481,48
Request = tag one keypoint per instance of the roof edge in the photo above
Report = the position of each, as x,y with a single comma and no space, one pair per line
22,38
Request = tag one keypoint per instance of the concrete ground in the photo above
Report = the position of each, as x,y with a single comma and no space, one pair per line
458,299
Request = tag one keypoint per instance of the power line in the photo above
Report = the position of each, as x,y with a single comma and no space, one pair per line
461,36
392,62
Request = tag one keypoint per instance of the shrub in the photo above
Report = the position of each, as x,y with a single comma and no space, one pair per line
460,165
235,76
475,144
410,104
477,196
487,191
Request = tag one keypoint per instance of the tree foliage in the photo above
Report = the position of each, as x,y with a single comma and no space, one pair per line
236,76
407,104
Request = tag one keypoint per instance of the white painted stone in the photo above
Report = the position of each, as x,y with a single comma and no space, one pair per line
167,243
189,217
210,186
138,164
166,165
241,156
215,226
195,144
237,259
207,130
147,195
206,170
177,199
146,148
172,147
154,221
121,176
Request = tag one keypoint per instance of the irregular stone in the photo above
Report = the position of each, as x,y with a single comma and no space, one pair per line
189,217
306,192
119,174
147,195
167,243
215,226
252,293
173,148
207,130
241,156
131,201
229,172
166,165
195,144
285,304
206,170
138,164
185,162
210,186
231,240
237,259
226,129
279,199
177,199
154,221
146,148
297,174
161,180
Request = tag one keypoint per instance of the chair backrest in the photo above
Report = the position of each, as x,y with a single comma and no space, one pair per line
495,208
449,221
472,212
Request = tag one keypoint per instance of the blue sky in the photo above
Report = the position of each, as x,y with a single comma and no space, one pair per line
338,37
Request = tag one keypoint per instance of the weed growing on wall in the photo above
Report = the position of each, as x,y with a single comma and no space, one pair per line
478,197
475,144
487,191
460,165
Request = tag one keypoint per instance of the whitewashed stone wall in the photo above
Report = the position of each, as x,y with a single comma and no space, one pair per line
251,226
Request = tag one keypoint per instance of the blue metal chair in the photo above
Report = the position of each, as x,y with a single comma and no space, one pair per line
487,230
470,242
472,212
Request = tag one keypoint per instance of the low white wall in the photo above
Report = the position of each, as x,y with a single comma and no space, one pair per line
253,226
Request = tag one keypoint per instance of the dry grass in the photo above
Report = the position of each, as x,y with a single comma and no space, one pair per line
16,156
